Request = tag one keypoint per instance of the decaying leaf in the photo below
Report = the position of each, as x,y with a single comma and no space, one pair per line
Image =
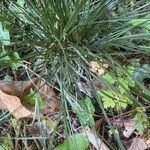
48,94
129,128
2,105
96,67
17,90
13,104
139,144
95,140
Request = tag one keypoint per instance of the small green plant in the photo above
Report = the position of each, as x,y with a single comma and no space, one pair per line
13,60
113,99
141,120
122,80
32,97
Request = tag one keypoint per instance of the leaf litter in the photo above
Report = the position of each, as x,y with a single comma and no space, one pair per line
12,96
16,91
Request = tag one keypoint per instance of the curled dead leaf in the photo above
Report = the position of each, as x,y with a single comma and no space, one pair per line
17,90
13,104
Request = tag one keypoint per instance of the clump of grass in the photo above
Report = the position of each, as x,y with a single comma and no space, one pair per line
66,35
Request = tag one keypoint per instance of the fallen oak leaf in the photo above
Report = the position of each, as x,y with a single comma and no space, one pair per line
13,104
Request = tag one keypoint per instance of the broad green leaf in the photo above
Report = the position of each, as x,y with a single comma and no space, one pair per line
74,142
121,104
108,102
121,89
87,105
13,60
141,109
4,35
84,111
85,117
131,82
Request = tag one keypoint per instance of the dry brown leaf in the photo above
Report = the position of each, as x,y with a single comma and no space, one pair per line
48,94
139,144
95,67
2,105
129,128
13,104
95,140
21,88
98,67
18,88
